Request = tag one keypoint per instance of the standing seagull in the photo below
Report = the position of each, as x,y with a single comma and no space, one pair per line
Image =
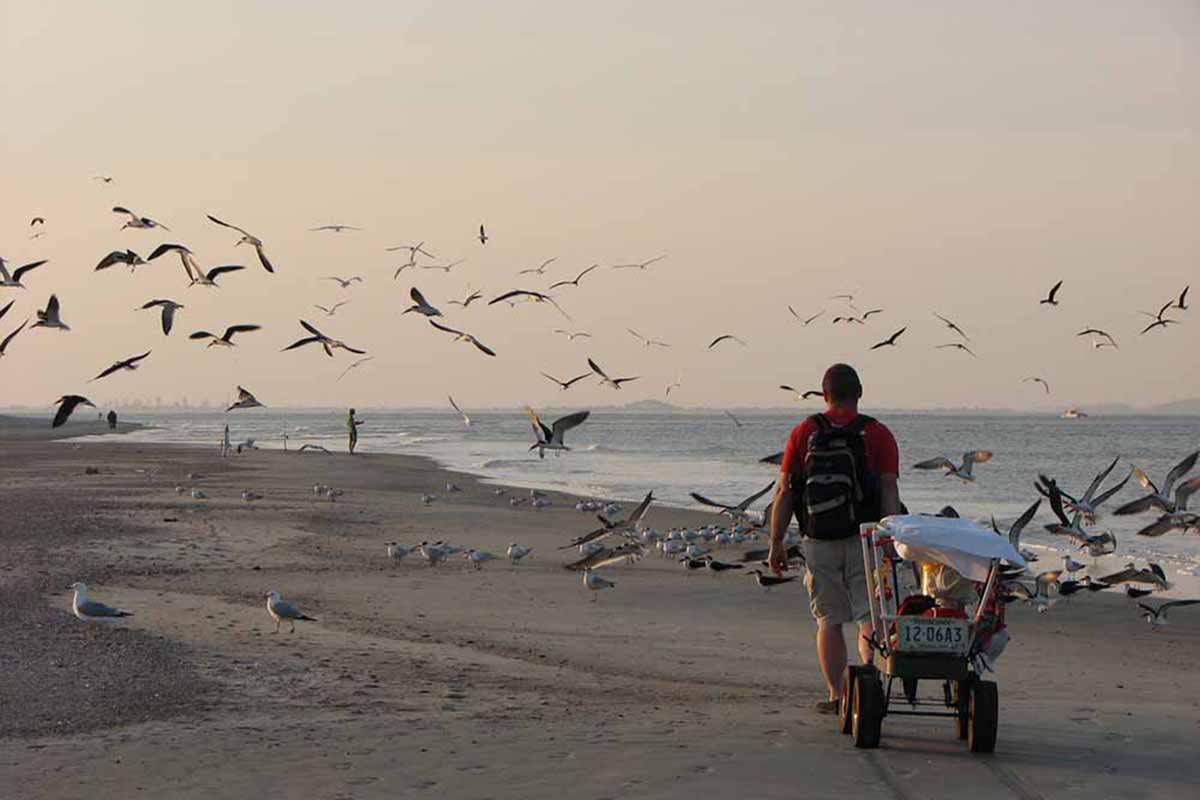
421,305
127,257
49,318
551,438
281,610
136,221
466,420
66,406
1042,381
129,364
890,341
594,582
483,237
247,238
963,471
91,610
607,381
13,281
169,307
335,228
225,339
1052,298
244,400
460,336
329,345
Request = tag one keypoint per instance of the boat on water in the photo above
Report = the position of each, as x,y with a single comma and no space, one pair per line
1074,413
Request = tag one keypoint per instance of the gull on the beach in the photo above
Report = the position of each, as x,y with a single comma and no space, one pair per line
66,407
1162,499
137,221
345,283
397,551
130,364
13,280
247,238
169,307
1157,615
281,611
1090,503
198,494
461,336
126,257
420,304
717,567
605,380
432,553
304,448
516,552
50,317
595,583
250,496
466,420
767,582
226,338
551,437
244,400
962,471
93,610
1071,566
327,344
1040,596
737,510
477,558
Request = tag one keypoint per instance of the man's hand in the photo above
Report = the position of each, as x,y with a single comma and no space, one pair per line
777,559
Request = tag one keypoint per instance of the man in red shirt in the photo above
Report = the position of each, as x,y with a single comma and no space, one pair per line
839,469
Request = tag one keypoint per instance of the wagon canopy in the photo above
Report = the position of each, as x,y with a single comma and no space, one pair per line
960,544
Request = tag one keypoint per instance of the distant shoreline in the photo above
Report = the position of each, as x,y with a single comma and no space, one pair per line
37,429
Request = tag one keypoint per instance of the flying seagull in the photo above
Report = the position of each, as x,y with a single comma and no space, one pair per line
573,335
169,307
807,320
412,249
13,281
244,400
186,257
345,283
802,395
466,302
460,336
1042,381
247,238
1181,303
1179,520
483,237
4,310
574,282
466,420
335,228
1052,298
225,339
551,437
1019,525
1160,323
283,611
354,365
962,471
1157,615
1161,499
640,265
136,221
674,385
1097,545
129,364
610,527
329,312
443,267
534,297
538,270
1089,504
953,327
66,407
210,278
607,381
50,318
647,343
725,337
327,344
1094,332
956,346
127,257
737,423
103,178
564,385
737,511
420,304
890,341
5,341
91,610
37,221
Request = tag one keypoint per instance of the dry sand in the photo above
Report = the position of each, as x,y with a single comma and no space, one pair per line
503,683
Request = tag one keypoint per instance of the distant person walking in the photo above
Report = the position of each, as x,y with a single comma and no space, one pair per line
839,470
112,420
226,447
353,424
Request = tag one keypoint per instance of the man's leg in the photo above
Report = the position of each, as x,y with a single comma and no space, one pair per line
831,653
864,649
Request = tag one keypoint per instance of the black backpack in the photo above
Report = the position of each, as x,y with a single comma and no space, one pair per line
836,492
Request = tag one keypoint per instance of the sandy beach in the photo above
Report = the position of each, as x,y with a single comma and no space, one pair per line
506,682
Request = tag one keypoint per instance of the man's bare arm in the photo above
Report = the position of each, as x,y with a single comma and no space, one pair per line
781,518
889,495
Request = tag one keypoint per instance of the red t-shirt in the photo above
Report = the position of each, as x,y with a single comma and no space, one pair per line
883,456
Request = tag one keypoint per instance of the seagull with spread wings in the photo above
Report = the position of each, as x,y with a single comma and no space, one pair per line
466,420
806,320
345,283
802,395
952,326
1161,499
466,302
354,365
1034,379
956,346
573,335
647,342
725,337
8,339
335,228
1051,299
575,281
137,221
533,297
331,310
962,471
460,336
642,265
627,526
225,339
13,280
247,238
327,344
126,257
186,257
550,437
890,341
66,407
540,270
421,305
737,510
169,307
607,381
1095,333
245,399
128,363
51,316
564,385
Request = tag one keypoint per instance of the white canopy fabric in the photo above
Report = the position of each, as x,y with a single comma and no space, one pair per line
961,544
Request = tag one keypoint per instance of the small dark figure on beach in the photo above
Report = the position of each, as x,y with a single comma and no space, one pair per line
353,424
112,420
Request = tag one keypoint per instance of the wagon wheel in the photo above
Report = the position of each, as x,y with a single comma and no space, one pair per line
962,699
867,709
846,700
983,716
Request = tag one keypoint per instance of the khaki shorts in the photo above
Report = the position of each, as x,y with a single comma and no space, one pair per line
836,580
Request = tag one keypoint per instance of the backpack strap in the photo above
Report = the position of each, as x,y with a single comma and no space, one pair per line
822,422
859,424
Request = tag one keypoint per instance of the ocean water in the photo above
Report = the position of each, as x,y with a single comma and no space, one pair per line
622,455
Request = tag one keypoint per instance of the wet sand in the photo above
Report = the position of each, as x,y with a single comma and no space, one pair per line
507,682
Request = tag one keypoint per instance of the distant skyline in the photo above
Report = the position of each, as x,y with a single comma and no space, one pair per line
948,157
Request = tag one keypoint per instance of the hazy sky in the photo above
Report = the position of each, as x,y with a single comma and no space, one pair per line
954,156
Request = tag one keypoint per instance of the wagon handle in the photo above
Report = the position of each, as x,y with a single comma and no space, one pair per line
866,533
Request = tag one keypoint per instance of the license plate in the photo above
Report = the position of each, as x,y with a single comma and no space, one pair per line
928,634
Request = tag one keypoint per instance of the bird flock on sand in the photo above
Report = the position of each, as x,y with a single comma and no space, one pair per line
630,538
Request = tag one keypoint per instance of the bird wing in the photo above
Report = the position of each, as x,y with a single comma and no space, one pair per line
167,247
720,339
596,369
1099,479
1140,505
483,348
302,342
110,370
417,297
312,329
91,608
52,307
1055,494
242,231
234,329
749,501
702,500
1184,492
66,407
774,458
941,462
445,328
123,210
972,457
217,271
636,515
19,271
115,257
201,335
1105,495
1014,533
262,258
1178,471
540,430
564,424
11,336
1054,290
576,379
1144,479
515,293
